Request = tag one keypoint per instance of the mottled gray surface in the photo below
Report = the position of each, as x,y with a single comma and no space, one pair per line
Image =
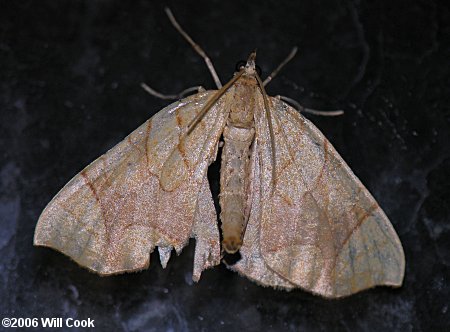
70,74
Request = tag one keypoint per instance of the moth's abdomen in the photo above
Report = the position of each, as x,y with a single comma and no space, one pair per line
234,185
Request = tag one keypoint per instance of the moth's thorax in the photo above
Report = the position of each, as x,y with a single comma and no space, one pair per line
244,102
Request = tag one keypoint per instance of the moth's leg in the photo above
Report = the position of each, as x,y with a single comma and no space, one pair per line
281,65
170,97
301,109
195,46
291,101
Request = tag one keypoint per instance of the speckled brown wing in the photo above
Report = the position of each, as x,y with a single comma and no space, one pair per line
320,229
149,190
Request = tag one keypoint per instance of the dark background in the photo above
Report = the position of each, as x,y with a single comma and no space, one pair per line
70,74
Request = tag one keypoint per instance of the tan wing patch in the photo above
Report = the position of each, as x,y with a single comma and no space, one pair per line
321,230
111,215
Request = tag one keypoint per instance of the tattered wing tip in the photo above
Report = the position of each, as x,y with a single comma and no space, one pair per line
198,270
205,257
164,255
196,276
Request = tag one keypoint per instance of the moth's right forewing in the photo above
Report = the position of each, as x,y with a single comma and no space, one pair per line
111,215
321,229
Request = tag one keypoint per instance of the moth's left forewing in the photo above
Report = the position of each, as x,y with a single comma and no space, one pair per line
321,229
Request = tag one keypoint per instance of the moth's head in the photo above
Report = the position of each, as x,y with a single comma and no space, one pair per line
249,67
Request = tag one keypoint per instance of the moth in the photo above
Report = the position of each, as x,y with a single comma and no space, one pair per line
290,205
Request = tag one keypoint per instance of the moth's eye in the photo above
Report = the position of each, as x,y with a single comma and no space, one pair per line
258,70
240,64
